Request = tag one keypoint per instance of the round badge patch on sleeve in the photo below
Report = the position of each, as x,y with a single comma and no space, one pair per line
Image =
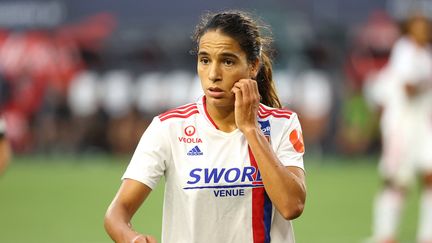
296,139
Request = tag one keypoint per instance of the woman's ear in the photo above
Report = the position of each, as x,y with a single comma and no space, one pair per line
255,67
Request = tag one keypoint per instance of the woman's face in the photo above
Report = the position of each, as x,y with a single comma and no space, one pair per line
221,63
420,31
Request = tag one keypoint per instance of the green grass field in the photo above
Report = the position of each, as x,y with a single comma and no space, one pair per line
64,200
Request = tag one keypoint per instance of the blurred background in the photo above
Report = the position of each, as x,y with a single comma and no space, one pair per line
81,80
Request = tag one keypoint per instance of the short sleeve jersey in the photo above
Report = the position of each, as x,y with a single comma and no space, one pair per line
213,188
412,64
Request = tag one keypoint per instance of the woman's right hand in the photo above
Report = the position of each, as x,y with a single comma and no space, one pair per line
144,239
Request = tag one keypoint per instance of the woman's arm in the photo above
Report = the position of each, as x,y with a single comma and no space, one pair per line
284,185
119,214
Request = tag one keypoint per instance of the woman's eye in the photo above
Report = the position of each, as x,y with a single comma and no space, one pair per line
229,62
204,60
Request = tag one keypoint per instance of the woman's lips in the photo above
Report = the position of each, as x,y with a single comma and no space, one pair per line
215,92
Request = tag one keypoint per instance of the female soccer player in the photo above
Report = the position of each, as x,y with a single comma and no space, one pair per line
233,166
406,126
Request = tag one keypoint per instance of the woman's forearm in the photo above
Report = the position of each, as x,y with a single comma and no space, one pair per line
119,214
284,185
117,224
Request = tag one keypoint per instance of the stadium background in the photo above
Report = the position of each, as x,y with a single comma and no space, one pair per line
80,80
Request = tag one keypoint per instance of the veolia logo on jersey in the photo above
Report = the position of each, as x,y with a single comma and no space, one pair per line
189,131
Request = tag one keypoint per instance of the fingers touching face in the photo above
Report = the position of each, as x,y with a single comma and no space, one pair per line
246,90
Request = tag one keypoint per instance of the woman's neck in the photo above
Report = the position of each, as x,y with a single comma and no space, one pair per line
224,118
419,41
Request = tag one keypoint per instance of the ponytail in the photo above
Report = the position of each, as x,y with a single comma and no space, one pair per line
266,85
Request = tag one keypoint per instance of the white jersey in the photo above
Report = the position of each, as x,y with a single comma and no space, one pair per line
406,122
214,192
411,64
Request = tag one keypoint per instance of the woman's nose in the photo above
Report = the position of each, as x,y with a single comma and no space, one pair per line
214,73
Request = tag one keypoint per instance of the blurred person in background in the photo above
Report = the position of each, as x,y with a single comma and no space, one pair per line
5,151
233,166
313,98
403,91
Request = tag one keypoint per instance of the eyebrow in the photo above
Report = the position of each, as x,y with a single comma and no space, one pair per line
223,54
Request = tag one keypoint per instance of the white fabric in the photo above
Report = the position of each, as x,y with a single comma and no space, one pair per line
387,212
425,219
202,169
147,100
406,122
314,93
178,87
116,89
285,85
83,96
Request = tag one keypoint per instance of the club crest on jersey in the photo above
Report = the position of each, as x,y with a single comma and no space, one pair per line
195,151
265,127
